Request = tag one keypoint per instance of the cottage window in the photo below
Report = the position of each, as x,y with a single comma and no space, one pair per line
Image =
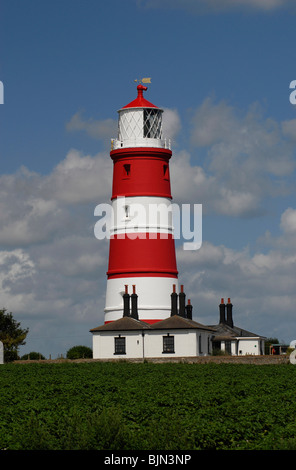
228,347
217,346
168,344
199,345
119,344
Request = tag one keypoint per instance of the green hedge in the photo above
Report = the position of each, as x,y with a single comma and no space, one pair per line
79,352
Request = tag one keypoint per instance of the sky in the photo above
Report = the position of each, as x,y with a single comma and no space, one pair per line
221,70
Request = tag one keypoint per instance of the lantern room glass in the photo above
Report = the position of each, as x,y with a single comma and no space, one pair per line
152,123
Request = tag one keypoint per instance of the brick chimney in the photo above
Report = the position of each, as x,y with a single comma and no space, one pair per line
126,302
174,301
189,310
229,320
222,312
134,301
182,301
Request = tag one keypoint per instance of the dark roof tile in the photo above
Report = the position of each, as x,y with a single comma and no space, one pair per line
124,323
177,322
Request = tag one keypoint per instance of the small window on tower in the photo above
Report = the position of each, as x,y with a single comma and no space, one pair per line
126,169
165,171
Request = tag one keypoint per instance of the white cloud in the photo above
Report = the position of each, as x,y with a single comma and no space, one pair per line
248,139
213,123
16,265
289,129
98,129
16,268
288,221
35,208
248,161
79,178
171,123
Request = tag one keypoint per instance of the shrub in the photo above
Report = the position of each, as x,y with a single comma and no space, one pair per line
219,352
33,356
10,355
79,352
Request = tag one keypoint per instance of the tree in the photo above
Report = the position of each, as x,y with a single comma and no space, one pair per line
79,352
33,355
11,335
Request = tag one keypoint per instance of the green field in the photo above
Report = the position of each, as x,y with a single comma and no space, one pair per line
146,406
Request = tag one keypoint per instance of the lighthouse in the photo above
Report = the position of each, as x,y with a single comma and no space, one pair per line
142,258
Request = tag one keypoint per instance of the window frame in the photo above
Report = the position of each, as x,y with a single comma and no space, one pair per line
119,345
199,345
168,344
228,346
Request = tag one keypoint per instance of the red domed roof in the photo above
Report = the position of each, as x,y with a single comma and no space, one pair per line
140,101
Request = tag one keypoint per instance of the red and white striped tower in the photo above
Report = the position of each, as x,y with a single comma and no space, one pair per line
143,257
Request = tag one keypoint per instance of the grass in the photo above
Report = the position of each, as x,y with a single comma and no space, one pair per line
145,406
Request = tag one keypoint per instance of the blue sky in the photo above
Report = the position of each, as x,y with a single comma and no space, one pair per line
221,70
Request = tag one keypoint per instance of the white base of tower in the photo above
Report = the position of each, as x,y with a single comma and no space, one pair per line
154,297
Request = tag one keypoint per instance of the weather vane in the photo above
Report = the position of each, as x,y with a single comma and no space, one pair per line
143,80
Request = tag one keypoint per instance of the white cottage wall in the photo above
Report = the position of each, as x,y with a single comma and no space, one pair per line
149,344
242,346
184,343
248,346
104,345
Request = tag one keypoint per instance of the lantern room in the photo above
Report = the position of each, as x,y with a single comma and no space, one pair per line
140,124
